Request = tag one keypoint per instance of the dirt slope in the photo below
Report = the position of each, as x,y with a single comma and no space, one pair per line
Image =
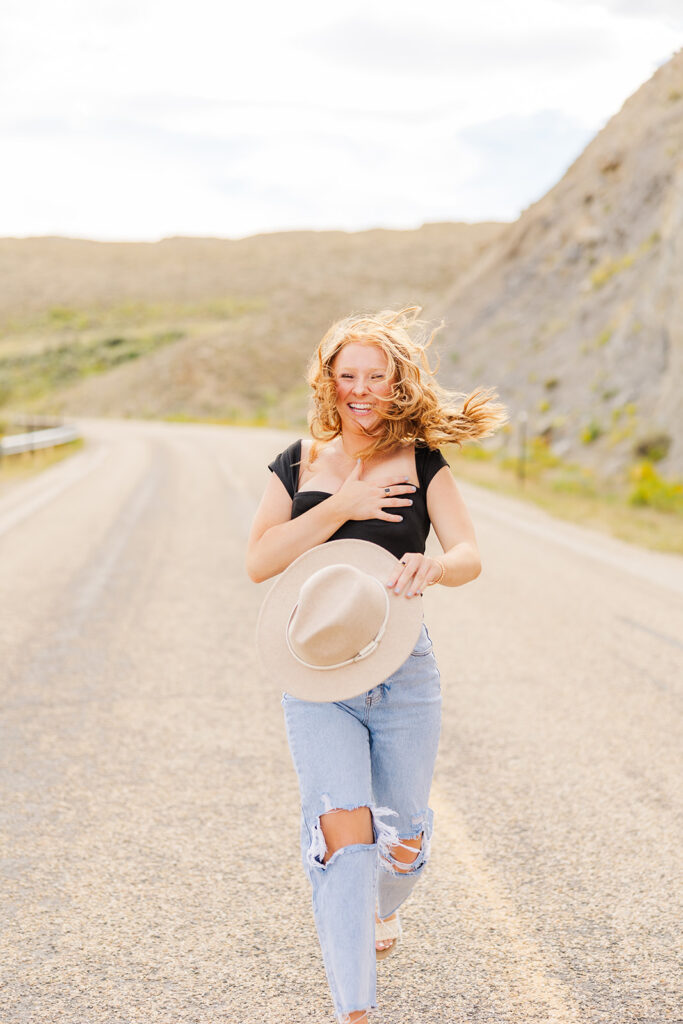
577,310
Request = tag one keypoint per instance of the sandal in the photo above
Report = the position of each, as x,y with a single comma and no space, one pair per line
387,930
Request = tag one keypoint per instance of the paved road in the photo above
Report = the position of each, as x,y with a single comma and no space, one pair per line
150,865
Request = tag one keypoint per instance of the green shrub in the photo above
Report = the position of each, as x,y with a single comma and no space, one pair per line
591,432
649,488
539,458
609,268
654,448
541,454
32,374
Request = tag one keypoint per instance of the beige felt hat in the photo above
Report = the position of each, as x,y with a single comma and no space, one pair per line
330,628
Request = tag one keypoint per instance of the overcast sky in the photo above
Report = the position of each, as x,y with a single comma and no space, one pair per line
139,119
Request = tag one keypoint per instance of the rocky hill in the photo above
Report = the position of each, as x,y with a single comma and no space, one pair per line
576,310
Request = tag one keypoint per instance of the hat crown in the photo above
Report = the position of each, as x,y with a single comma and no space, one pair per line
340,611
384,652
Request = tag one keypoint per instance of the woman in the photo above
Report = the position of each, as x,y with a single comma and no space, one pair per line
372,471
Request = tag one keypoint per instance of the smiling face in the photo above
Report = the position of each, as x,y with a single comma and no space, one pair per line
360,373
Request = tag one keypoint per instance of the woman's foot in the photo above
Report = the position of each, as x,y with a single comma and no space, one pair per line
383,944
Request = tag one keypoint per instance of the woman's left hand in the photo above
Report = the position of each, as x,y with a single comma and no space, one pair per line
416,572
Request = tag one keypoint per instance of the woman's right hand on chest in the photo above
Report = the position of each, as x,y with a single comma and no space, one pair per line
363,499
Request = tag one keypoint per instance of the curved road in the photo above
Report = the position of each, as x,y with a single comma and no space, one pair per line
150,864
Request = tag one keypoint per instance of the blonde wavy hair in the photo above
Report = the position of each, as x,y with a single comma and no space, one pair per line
419,409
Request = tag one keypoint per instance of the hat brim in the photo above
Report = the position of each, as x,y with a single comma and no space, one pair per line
402,630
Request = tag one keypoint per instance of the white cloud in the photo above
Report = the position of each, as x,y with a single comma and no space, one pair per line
142,119
667,12
415,51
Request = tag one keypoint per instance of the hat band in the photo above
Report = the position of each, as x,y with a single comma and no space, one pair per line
364,651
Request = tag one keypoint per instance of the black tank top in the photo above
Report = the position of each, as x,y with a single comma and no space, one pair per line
398,538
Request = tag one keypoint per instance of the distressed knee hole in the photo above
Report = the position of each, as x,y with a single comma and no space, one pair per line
338,828
406,852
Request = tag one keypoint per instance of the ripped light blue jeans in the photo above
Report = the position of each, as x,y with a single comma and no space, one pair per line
376,750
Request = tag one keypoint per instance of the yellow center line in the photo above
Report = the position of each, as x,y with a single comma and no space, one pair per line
528,966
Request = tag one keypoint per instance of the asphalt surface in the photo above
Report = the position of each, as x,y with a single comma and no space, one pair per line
149,811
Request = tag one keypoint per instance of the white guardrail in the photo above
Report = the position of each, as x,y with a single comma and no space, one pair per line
34,439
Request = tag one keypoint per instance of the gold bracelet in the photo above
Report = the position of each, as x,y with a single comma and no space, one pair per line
443,573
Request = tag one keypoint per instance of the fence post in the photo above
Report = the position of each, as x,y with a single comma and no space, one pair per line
521,461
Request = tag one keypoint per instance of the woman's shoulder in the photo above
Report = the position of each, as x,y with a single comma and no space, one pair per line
290,454
285,465
428,462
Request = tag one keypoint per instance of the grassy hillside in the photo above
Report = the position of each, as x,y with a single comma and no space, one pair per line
201,327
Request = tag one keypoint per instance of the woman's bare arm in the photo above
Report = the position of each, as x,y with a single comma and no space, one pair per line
453,527
276,539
